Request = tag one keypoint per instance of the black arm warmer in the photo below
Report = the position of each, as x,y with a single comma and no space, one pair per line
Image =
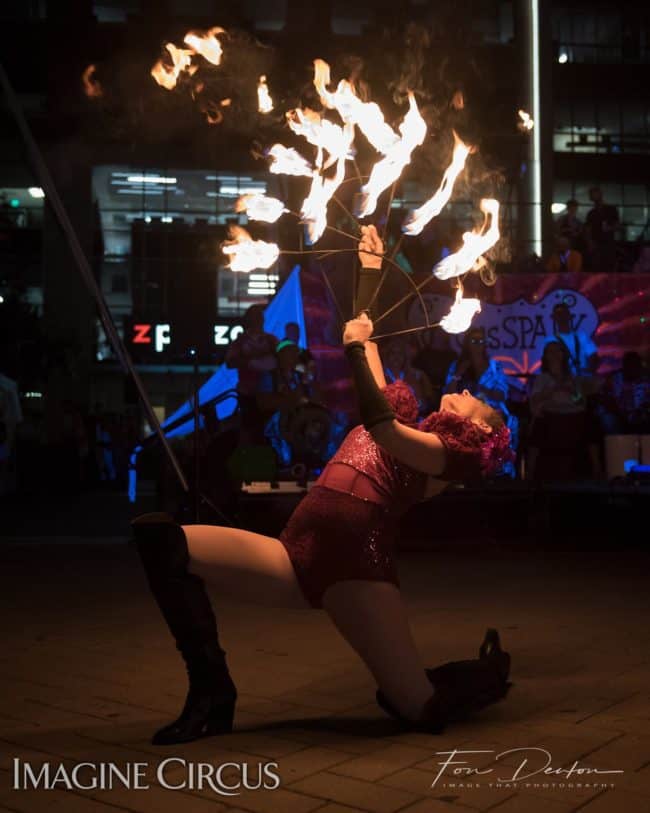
366,286
373,406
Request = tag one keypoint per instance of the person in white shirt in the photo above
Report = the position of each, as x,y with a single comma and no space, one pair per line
583,353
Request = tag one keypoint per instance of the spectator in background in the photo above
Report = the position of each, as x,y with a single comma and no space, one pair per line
583,353
568,225
476,372
642,264
292,332
252,354
555,388
433,355
564,258
10,416
398,365
602,224
483,377
625,402
558,431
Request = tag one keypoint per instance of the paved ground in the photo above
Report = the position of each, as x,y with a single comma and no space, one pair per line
87,672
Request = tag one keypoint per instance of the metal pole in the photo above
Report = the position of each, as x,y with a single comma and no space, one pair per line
47,183
196,498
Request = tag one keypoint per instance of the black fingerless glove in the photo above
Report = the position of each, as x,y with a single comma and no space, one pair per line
373,406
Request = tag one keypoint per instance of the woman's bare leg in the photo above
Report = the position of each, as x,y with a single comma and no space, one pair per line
372,618
370,615
244,565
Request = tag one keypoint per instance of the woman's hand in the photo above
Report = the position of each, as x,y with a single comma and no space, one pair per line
370,241
357,330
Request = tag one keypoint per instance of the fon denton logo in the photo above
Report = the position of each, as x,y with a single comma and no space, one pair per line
173,773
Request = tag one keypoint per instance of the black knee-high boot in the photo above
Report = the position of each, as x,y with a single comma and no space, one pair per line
461,688
185,605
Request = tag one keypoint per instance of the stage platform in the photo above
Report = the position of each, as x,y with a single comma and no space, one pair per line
580,515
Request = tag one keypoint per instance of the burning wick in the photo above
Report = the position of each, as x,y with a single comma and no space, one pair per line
418,219
286,161
474,244
246,254
525,123
206,44
259,207
167,75
264,100
461,314
92,87
413,129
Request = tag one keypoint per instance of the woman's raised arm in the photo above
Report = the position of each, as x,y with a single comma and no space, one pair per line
422,451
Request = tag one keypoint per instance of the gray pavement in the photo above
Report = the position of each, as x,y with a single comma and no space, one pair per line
88,671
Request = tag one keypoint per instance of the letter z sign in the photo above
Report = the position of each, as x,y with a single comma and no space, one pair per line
161,336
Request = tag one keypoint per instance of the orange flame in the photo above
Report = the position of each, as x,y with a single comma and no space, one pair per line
475,244
206,44
260,207
418,219
286,161
247,254
367,116
264,100
385,172
92,87
461,314
167,75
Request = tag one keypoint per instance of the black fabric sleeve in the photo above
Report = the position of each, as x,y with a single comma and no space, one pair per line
368,278
373,406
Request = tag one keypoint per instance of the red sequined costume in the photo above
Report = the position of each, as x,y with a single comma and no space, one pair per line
345,528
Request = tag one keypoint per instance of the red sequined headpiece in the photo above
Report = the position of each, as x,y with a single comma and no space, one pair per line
471,451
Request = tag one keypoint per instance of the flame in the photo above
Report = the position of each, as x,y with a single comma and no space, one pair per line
167,75
286,161
525,123
461,314
259,207
474,244
418,219
314,207
264,100
321,81
92,87
367,116
206,44
337,142
322,133
385,172
247,254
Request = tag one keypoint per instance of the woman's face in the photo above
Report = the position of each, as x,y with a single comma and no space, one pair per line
465,405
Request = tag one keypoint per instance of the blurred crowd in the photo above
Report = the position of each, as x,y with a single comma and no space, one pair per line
561,418
592,244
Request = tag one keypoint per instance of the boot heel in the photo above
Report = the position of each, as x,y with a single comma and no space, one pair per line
221,718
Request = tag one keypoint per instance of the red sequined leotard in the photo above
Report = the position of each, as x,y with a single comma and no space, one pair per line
345,528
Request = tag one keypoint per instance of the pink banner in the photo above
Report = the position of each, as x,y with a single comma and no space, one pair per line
614,309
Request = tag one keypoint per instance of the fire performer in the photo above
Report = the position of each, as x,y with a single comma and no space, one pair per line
336,553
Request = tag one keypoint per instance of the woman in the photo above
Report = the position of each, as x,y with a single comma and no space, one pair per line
559,420
398,366
555,389
336,553
483,377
